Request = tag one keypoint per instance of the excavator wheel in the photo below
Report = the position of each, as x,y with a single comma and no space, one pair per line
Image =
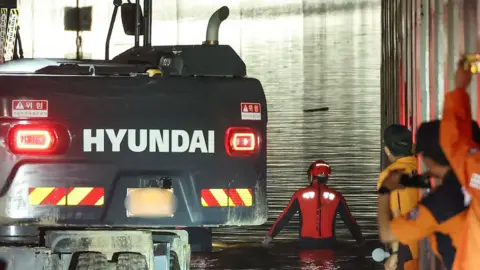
131,261
91,261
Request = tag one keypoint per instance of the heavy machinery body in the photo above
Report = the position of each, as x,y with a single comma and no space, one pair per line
81,141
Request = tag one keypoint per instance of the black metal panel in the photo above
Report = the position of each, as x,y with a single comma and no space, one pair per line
194,60
209,105
8,3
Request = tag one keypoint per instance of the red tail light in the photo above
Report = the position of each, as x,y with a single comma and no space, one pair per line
241,141
35,139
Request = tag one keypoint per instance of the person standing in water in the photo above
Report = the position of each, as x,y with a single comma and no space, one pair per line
318,206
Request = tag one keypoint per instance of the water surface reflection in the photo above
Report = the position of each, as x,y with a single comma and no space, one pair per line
286,256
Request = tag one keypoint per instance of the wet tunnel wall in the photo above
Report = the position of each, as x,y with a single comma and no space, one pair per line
421,42
307,54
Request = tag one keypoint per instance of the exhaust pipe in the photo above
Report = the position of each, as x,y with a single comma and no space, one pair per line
214,25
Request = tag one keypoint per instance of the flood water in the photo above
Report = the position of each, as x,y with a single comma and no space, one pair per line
315,55
286,256
307,55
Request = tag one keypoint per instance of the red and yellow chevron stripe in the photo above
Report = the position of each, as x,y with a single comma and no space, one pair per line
82,196
92,196
47,196
227,197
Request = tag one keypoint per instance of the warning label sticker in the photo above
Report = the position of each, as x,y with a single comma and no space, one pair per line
251,111
30,108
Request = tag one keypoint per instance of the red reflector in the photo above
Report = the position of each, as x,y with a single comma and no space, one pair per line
32,139
241,141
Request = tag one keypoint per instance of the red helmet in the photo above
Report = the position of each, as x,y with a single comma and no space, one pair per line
319,168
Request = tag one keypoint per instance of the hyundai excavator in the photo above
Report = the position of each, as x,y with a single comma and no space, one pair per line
103,163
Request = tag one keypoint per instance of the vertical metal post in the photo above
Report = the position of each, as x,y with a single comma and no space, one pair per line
78,37
424,63
477,91
147,37
390,65
408,55
398,34
405,63
388,71
415,61
433,56
470,34
416,52
422,86
394,58
382,81
454,39
439,62
137,24
400,40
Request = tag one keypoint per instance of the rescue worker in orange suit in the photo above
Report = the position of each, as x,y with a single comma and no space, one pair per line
398,148
462,151
441,214
318,206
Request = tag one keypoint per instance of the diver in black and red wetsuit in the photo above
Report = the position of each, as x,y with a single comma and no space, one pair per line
318,206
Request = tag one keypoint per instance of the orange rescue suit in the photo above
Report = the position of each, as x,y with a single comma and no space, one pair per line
464,157
404,200
439,215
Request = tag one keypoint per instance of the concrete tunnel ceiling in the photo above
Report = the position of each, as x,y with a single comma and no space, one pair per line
307,54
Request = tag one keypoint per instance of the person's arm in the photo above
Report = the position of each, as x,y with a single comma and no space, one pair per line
416,225
456,132
456,126
384,216
381,178
349,220
393,245
282,220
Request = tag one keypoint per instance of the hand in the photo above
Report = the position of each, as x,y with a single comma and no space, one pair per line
392,181
268,239
392,262
462,76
